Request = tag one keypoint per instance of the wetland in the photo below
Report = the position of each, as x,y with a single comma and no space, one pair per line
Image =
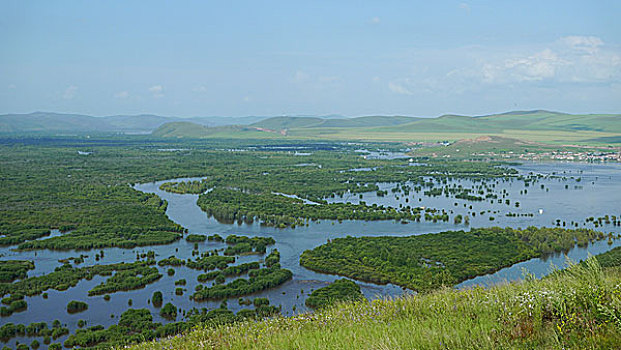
204,234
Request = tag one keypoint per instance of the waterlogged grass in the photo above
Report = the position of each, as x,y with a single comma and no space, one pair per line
577,309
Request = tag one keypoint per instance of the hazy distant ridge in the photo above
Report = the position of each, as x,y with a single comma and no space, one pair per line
47,122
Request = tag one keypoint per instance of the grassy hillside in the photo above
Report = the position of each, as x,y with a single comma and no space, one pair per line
280,123
534,126
576,309
534,120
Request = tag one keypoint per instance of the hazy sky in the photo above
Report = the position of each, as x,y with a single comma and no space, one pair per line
207,58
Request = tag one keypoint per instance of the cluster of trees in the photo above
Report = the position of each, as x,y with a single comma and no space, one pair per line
204,277
337,291
95,238
234,270
15,303
64,277
459,192
157,298
273,259
550,240
131,276
245,245
196,238
425,262
169,311
259,280
171,261
215,238
210,262
10,270
36,329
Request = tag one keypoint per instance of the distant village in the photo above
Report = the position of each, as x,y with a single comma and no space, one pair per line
603,156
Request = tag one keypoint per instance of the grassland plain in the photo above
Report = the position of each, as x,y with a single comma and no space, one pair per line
579,308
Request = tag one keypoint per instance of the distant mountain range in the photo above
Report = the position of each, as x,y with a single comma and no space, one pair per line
538,125
57,123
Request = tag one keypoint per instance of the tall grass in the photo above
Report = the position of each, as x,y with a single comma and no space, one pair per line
579,308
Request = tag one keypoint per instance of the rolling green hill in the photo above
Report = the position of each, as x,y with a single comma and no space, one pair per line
280,123
534,126
532,120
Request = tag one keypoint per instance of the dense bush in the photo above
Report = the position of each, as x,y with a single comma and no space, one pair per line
10,270
75,306
157,299
169,311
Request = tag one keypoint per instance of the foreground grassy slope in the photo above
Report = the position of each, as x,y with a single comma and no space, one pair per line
576,309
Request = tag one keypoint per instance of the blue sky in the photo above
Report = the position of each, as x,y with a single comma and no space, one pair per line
235,58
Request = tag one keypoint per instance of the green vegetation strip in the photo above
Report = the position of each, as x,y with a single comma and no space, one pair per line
10,270
259,280
36,329
67,276
228,205
429,261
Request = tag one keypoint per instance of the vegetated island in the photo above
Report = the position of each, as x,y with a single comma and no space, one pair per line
428,261
337,291
128,276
